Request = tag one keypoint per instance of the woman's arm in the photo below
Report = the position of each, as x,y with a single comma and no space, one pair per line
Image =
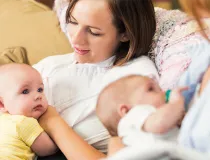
115,144
69,142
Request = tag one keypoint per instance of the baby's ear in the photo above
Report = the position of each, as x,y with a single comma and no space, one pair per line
123,110
2,108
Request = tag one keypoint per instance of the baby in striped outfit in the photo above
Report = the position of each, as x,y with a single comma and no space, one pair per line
22,102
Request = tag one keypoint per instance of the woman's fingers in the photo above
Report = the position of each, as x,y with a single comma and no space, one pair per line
47,116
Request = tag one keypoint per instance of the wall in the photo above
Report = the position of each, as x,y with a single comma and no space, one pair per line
167,4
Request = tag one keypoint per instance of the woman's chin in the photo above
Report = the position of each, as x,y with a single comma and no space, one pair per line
82,58
88,58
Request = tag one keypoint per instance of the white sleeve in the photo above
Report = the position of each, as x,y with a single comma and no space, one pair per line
134,119
130,127
140,66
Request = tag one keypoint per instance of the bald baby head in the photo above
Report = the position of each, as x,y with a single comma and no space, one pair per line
112,97
120,96
9,73
21,91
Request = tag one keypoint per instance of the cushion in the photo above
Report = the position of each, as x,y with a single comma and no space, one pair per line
33,26
13,55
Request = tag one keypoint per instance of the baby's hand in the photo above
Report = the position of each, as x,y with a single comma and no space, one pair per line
168,116
176,96
175,107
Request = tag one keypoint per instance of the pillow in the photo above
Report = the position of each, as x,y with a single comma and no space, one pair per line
13,55
33,26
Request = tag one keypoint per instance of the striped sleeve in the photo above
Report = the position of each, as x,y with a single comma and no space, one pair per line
28,130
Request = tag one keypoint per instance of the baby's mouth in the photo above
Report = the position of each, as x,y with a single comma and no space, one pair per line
38,107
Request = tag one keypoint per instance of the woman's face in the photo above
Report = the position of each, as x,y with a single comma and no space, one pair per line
92,33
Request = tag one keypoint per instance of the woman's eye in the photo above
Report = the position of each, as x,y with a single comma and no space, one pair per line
26,91
94,34
72,22
40,90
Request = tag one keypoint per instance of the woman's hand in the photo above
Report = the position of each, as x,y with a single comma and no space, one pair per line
71,144
46,120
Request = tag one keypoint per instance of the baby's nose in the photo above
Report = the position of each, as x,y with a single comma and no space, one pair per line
38,96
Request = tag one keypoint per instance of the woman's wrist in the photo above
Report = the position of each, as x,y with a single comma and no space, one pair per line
50,119
53,124
115,144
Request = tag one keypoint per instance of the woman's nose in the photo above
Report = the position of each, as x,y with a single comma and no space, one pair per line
78,37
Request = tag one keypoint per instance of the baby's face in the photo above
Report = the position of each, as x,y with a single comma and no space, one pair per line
148,92
25,94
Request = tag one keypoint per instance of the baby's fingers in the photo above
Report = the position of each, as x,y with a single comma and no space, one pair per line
181,89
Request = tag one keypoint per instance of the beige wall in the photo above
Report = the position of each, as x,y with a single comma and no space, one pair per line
166,5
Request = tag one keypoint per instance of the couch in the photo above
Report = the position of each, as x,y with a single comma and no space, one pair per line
30,31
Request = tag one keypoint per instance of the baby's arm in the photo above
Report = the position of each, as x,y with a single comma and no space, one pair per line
43,145
32,134
168,116
163,119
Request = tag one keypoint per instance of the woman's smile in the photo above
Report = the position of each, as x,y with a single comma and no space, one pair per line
81,51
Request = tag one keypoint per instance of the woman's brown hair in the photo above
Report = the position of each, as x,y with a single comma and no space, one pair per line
136,18
196,8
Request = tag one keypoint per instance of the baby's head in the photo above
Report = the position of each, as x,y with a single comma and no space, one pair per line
120,96
21,91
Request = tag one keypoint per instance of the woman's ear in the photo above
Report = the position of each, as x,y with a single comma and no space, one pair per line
124,37
123,110
2,108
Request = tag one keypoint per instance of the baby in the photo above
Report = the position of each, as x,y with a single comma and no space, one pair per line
135,104
22,102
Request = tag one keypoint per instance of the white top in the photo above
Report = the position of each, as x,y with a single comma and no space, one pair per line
73,89
140,66
130,127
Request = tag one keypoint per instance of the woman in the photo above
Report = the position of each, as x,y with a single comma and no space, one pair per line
195,129
104,34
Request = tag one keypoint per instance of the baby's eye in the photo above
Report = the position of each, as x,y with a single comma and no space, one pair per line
40,90
26,91
150,88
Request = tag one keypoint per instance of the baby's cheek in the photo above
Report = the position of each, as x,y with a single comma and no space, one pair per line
160,101
46,105
45,102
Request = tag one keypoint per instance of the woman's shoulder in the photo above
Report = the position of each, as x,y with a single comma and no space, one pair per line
139,63
140,60
143,66
53,62
58,59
